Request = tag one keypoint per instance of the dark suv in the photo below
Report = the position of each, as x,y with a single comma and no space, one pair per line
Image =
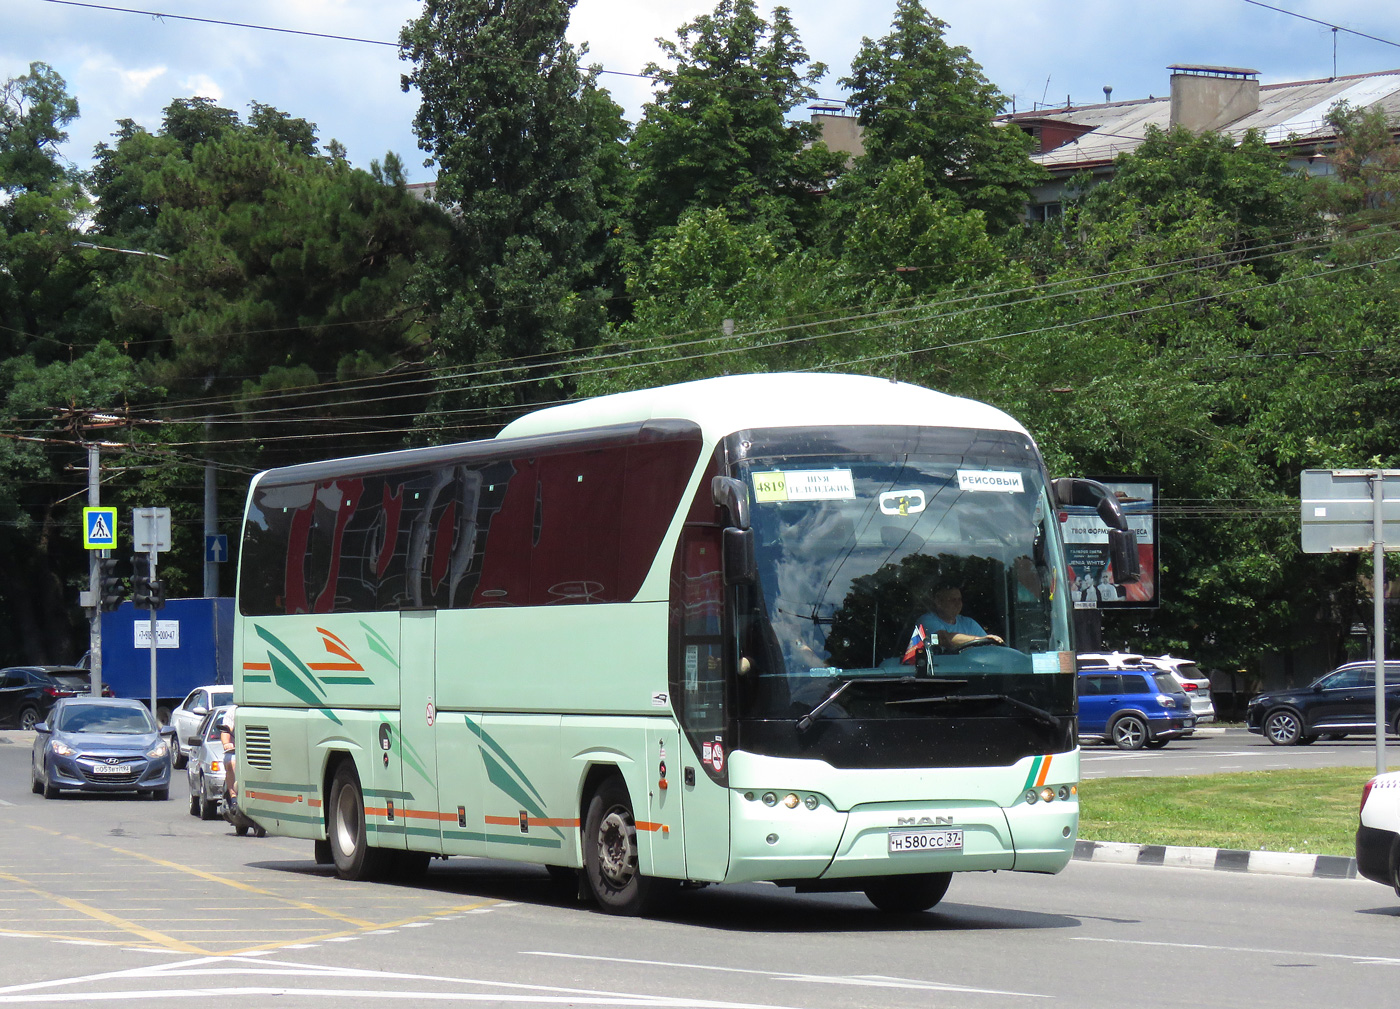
1336,704
27,694
1133,708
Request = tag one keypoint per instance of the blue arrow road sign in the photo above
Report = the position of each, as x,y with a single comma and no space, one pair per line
215,548
99,528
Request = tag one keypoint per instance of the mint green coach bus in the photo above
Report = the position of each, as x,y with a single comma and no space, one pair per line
680,635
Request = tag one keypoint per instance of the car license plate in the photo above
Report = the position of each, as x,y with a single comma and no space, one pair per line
111,769
925,840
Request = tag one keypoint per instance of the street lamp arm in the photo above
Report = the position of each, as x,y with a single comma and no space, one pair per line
108,248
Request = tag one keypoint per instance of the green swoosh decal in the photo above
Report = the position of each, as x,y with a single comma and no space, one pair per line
504,758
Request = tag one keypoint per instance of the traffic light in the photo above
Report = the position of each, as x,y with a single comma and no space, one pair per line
157,593
141,581
109,592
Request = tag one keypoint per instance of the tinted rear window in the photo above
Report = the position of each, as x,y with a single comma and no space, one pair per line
1166,684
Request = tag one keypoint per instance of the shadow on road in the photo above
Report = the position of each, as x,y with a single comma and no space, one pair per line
741,907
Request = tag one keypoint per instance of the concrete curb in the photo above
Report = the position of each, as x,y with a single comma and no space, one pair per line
1279,863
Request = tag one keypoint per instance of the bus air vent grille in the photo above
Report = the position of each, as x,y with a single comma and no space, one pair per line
257,746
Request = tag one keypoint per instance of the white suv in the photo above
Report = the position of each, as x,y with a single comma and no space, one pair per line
1194,683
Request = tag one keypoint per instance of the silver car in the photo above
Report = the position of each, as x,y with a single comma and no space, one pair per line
186,716
205,752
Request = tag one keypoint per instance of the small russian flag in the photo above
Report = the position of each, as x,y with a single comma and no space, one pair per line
916,644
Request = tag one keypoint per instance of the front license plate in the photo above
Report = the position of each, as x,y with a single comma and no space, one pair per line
925,840
111,769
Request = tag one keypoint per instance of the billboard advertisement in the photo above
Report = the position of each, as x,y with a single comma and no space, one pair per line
1092,582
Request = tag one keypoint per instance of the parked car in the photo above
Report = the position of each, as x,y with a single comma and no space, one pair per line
1378,834
1192,680
1133,707
186,716
1338,703
100,744
206,767
74,678
27,695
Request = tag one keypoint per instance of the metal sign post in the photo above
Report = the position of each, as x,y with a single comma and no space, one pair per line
150,531
1346,510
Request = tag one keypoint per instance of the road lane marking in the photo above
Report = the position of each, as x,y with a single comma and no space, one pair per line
222,969
866,980
151,935
1354,957
215,878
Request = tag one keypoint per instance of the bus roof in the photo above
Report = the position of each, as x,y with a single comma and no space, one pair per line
721,406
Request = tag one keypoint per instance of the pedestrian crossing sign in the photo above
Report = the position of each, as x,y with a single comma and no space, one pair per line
99,528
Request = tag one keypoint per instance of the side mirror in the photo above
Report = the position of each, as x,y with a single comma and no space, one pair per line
1123,554
199,710
740,565
41,727
193,740
731,495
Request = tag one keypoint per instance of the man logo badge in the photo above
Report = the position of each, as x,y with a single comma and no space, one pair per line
923,821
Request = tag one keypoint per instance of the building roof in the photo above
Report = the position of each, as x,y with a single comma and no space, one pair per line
1286,113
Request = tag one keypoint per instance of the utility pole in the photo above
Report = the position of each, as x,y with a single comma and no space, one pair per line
95,575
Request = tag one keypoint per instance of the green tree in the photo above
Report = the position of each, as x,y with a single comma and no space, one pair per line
42,204
1366,160
915,95
507,119
717,134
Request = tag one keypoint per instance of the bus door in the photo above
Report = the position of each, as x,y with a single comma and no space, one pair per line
699,698
418,714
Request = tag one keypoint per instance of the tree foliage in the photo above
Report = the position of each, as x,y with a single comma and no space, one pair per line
915,95
717,133
508,119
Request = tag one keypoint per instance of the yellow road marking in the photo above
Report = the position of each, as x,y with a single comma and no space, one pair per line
361,926
386,925
213,878
96,912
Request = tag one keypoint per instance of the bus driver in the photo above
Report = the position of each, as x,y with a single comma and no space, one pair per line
946,620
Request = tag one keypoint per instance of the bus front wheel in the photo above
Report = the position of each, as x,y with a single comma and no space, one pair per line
354,858
610,855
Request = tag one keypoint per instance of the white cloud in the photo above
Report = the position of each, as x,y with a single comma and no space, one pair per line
201,86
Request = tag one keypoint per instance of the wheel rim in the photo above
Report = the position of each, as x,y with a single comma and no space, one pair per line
617,850
346,823
1283,727
1128,731
29,719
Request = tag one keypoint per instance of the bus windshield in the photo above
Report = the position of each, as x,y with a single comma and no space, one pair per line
899,555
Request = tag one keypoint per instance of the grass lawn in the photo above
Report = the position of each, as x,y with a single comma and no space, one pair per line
1312,810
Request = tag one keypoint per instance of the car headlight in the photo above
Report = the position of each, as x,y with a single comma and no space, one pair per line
158,751
61,748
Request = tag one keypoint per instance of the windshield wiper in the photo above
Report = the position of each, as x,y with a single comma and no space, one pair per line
1040,714
805,722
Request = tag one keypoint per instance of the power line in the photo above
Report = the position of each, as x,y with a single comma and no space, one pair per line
654,78
1325,24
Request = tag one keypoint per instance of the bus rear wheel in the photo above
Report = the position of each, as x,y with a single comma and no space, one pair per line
907,894
354,858
610,855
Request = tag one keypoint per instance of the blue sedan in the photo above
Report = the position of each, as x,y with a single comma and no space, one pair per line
100,744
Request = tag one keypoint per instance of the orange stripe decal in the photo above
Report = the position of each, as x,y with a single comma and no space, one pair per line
264,667
270,797
645,825
1044,771
532,821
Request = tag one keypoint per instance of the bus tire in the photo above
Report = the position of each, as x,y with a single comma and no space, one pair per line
908,894
354,858
610,855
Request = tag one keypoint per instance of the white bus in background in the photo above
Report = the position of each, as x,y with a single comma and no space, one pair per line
668,636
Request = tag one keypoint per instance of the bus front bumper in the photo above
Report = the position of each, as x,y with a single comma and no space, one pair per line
807,841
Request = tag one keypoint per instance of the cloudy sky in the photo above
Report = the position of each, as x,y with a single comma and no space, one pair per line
131,65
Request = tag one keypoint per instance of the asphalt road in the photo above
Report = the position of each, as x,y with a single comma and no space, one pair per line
1229,750
109,900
